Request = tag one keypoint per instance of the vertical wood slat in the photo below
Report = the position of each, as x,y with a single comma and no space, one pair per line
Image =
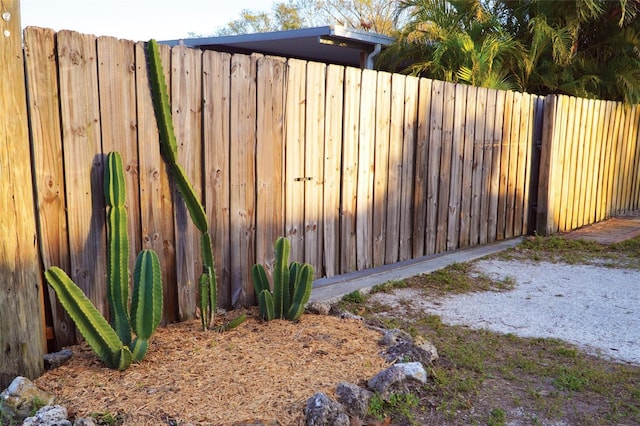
295,112
478,159
46,142
581,164
527,165
216,86
421,179
636,168
496,158
332,168
592,170
381,167
366,158
116,85
564,163
242,172
603,130
394,180
83,164
21,313
505,147
545,216
156,206
269,159
457,162
186,105
513,168
445,167
524,144
433,168
487,160
467,167
313,166
349,170
408,168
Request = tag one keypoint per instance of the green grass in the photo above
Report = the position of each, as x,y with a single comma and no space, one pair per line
482,377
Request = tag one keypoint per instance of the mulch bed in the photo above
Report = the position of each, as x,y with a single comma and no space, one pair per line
259,370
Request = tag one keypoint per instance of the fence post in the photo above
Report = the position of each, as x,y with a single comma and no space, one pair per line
21,315
545,215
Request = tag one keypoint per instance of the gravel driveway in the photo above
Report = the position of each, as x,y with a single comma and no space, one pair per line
596,308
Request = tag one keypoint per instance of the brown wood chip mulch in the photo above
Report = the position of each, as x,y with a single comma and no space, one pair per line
259,370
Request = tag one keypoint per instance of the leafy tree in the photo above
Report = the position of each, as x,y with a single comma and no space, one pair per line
588,48
456,41
283,16
368,15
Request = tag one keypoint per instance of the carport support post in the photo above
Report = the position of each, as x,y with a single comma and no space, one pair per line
22,341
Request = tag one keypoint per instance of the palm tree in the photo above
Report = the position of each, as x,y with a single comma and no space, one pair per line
457,41
587,48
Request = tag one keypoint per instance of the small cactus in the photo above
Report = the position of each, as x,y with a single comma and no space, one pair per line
291,286
113,345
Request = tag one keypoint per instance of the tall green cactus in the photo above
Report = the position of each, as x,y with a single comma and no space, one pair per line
169,148
113,345
291,285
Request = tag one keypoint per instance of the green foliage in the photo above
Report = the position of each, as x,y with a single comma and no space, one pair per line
112,345
354,297
291,285
398,404
208,286
585,48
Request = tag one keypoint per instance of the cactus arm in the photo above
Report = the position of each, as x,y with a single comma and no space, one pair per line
294,271
146,302
118,247
210,275
91,324
302,292
280,275
259,276
161,104
196,211
265,300
204,300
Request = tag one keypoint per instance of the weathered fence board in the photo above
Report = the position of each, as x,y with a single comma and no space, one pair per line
295,112
381,167
314,166
242,172
349,170
21,315
408,167
216,86
332,168
48,164
269,159
83,164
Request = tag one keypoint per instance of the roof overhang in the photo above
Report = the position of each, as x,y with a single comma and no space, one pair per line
331,44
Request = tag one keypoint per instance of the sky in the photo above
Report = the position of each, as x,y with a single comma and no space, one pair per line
137,20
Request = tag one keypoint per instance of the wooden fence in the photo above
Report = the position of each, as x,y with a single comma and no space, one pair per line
357,168
591,158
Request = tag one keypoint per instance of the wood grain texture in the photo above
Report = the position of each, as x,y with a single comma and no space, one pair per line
21,314
46,140
333,168
243,179
269,159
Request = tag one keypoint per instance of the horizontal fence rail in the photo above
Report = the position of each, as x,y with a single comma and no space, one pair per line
357,168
